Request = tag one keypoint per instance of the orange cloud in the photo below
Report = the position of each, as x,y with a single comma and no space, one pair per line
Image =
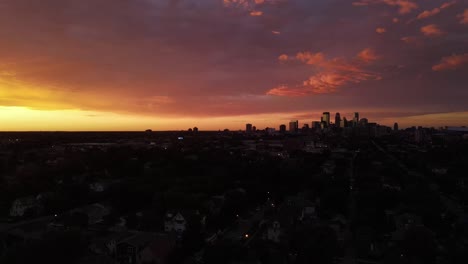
432,30
410,40
395,20
283,57
367,55
429,13
435,11
256,13
405,6
451,62
380,30
284,90
463,17
448,4
323,83
331,75
276,32
311,58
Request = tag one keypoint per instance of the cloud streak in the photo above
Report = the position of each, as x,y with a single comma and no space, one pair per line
452,62
380,30
432,30
429,13
404,6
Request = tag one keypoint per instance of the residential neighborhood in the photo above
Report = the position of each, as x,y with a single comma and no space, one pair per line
234,197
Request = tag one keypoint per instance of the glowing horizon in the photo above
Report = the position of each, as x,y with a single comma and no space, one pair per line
24,119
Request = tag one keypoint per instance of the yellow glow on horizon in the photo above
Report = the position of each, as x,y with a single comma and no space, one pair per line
26,119
14,118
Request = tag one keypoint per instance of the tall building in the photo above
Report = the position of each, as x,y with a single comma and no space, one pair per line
356,118
395,126
294,126
254,129
195,129
345,122
248,128
337,120
316,124
282,128
326,118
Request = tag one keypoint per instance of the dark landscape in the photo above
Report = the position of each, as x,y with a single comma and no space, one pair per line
358,194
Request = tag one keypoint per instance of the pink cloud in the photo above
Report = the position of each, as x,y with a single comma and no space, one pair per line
463,17
432,30
380,30
451,62
331,75
395,20
405,6
435,11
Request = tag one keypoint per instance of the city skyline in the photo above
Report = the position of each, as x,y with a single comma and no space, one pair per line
174,64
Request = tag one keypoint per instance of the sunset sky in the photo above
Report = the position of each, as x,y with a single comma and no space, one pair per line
215,64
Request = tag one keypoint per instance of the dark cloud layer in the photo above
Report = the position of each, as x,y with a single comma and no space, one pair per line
220,57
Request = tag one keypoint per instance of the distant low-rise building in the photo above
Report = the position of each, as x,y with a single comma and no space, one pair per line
22,205
145,248
274,232
98,187
175,222
95,212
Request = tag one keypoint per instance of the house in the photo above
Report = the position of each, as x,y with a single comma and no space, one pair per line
175,222
142,248
213,237
95,212
308,213
97,259
274,232
107,245
402,223
215,204
22,205
98,187
406,220
439,171
157,252
338,224
329,167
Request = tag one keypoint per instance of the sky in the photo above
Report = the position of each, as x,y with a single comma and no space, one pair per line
215,64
